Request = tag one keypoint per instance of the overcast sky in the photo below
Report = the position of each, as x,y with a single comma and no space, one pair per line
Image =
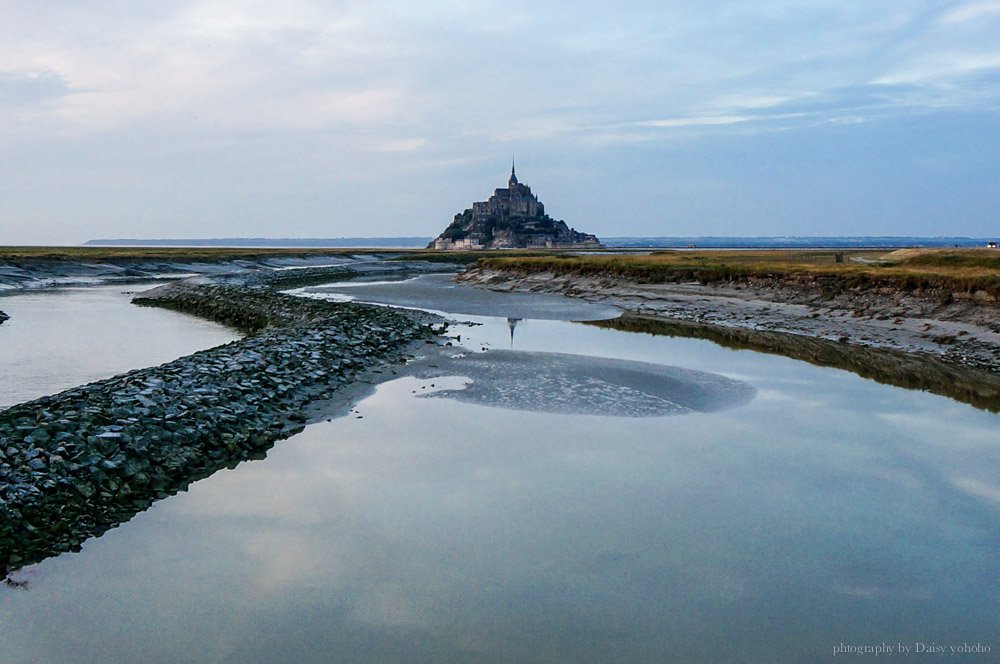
198,118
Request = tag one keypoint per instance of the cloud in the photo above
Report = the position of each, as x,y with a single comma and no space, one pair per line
466,67
378,88
399,144
705,121
951,69
30,88
970,11
978,488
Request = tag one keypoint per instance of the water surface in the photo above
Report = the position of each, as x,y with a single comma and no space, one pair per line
826,509
59,339
438,293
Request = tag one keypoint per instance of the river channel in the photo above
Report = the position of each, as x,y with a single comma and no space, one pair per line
806,509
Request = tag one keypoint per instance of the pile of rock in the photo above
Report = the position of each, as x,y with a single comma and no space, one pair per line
77,463
3,316
293,278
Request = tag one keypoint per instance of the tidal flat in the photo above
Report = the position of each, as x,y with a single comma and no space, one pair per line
708,504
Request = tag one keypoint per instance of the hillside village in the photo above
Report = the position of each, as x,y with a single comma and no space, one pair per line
512,218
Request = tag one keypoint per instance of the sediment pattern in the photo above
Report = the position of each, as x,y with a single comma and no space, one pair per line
77,463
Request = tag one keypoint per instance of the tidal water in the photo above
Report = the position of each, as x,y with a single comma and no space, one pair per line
58,339
805,509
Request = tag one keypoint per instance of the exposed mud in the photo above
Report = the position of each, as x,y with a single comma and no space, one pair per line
956,328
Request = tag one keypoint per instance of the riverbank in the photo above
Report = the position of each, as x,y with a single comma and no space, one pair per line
77,463
975,387
47,267
931,316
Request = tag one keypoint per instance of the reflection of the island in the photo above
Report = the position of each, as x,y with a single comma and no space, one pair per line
916,372
512,323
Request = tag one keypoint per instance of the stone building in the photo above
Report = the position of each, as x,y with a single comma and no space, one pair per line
511,218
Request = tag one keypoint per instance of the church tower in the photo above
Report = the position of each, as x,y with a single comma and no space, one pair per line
513,176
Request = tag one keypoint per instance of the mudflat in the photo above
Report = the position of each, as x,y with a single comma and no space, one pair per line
939,303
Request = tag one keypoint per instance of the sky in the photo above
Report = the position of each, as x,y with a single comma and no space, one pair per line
240,118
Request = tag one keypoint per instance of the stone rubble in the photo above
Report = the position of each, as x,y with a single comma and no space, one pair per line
77,463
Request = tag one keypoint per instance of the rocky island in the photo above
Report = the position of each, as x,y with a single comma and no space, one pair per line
512,218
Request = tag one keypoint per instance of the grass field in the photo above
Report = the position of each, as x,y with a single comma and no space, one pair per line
966,270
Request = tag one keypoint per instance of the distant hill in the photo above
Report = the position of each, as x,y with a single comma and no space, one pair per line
407,242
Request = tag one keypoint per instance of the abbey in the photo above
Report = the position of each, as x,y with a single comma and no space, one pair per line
512,218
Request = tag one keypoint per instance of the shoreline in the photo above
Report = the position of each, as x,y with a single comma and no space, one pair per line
980,389
957,331
77,463
74,464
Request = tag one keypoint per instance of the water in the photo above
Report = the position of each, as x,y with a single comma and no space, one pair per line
59,339
438,293
825,509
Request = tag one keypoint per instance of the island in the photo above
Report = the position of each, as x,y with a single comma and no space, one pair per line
512,218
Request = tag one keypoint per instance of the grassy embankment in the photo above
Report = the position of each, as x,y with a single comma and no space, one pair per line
959,270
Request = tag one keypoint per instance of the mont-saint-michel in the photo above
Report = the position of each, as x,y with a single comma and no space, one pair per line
512,218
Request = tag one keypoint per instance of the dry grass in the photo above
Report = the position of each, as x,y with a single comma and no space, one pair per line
957,270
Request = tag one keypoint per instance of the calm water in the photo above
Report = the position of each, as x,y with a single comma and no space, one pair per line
827,509
56,340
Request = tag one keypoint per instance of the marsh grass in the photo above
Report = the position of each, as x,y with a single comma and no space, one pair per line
956,270
960,270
